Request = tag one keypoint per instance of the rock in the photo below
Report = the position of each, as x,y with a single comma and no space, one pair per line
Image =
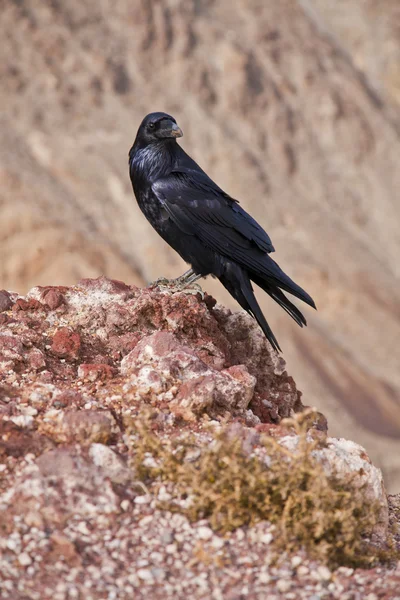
61,484
24,559
23,421
53,297
11,347
350,463
283,585
266,538
95,372
205,533
166,347
35,359
66,343
160,363
111,464
63,548
296,561
323,573
16,440
82,384
5,301
198,394
86,427
26,305
349,130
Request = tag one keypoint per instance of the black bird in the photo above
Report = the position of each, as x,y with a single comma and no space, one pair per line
207,227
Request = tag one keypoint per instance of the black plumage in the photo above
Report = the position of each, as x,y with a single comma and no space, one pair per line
207,227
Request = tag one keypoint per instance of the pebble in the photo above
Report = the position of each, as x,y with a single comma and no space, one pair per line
264,578
346,571
324,574
12,544
217,594
24,559
283,585
296,561
145,521
266,538
22,420
145,575
29,411
125,504
158,574
145,499
218,543
302,570
204,533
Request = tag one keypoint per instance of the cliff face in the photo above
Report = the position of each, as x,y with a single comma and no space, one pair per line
294,93
151,444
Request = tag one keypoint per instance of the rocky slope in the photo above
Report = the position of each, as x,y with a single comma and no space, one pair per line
304,96
152,445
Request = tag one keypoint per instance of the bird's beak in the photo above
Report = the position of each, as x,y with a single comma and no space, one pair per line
171,129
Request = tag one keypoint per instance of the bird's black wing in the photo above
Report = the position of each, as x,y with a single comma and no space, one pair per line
199,207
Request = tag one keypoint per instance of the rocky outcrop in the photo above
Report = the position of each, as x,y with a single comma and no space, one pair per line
302,95
97,382
168,348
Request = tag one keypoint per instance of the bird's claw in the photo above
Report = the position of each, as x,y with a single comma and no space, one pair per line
194,289
162,281
178,285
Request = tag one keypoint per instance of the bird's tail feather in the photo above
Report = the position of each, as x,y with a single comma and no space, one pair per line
238,284
275,276
282,300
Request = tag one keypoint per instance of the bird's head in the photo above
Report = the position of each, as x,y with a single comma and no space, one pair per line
156,127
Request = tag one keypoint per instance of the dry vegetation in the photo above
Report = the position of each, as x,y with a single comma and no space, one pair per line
232,487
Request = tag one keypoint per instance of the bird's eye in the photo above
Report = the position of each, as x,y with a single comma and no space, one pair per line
151,125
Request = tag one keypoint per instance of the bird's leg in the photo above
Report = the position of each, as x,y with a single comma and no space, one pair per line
184,279
189,280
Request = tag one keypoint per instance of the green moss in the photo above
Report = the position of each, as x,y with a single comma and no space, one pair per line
232,488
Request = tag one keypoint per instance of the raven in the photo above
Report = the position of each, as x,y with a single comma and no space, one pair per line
208,228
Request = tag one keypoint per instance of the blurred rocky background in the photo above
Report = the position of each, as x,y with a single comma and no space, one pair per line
293,107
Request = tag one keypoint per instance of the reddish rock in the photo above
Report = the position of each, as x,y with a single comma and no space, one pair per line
265,409
53,298
66,343
5,301
179,354
197,394
26,305
35,359
63,549
218,391
108,286
11,346
68,398
154,346
4,319
95,372
17,441
121,345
